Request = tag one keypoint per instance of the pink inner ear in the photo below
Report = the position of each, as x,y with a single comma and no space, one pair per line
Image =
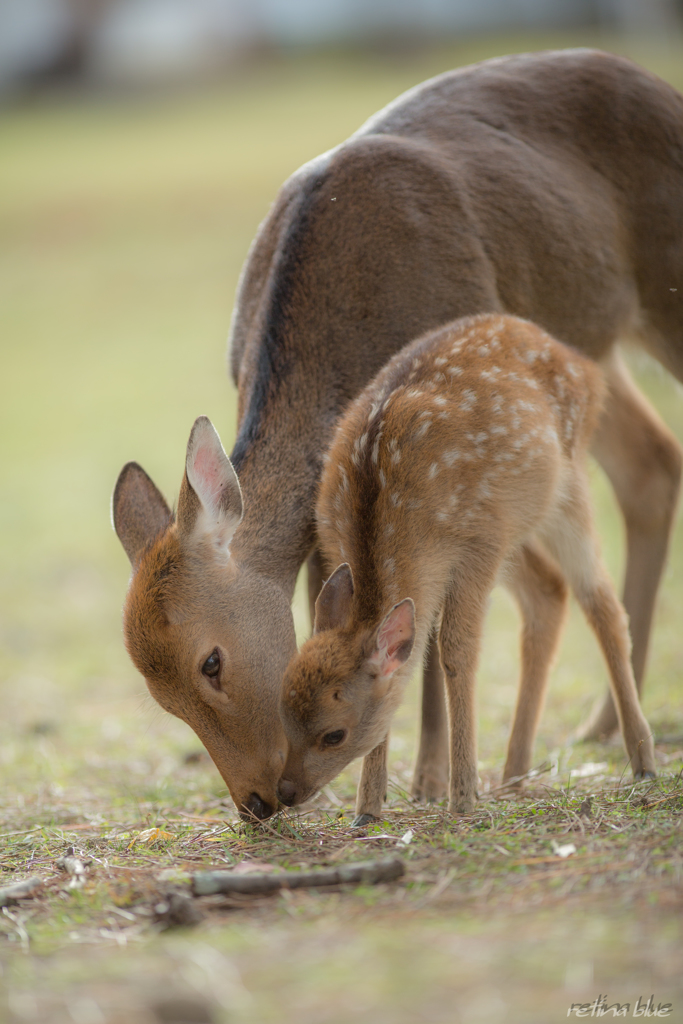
208,472
394,640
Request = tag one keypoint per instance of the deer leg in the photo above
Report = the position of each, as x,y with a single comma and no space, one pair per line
573,543
372,788
459,642
430,780
316,577
642,459
541,593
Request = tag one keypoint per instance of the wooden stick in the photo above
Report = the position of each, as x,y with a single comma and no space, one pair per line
20,890
653,803
368,872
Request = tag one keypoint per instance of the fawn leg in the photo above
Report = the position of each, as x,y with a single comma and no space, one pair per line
607,618
372,788
541,593
571,540
642,459
430,779
462,623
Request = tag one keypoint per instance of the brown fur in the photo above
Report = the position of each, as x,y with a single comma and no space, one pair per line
459,464
547,185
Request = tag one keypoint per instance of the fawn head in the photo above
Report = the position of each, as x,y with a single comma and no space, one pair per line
193,619
340,692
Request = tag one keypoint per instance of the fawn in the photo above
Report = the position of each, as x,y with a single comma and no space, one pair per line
461,464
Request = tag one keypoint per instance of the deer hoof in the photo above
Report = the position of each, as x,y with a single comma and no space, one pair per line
361,820
428,789
642,776
463,804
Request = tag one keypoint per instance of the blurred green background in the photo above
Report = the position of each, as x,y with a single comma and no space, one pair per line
124,222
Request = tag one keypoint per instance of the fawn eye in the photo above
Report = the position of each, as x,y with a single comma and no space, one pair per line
333,739
212,668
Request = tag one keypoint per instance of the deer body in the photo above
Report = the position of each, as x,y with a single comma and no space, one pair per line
545,185
460,464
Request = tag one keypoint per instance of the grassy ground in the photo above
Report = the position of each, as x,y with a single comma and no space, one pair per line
123,226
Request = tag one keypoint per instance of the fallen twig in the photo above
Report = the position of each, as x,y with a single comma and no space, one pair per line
70,863
533,773
21,832
368,872
19,891
647,804
74,866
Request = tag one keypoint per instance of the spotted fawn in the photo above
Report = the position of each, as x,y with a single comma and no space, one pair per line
461,465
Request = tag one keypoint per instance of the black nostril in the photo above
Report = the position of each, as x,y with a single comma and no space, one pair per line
255,807
287,792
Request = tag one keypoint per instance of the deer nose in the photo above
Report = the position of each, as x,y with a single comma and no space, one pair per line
287,792
255,807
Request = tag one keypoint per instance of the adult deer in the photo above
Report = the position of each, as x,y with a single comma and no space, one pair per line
546,185
462,463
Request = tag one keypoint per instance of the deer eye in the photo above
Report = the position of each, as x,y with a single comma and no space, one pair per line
212,668
333,739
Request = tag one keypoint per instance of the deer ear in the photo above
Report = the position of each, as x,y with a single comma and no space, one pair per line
395,638
138,510
210,500
333,606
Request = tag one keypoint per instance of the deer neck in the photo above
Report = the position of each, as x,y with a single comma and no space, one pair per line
278,458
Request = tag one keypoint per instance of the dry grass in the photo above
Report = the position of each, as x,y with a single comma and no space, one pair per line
598,851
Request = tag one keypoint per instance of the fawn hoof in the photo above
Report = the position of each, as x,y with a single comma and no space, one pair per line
361,820
643,776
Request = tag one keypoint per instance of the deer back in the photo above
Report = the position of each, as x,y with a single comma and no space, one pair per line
463,438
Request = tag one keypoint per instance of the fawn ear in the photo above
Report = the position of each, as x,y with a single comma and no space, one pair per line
395,638
210,500
333,606
138,510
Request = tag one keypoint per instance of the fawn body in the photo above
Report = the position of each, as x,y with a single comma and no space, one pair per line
546,185
461,464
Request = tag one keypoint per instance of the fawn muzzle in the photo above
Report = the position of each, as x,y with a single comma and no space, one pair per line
287,791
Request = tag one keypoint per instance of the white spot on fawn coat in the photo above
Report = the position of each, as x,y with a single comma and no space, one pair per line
375,451
468,400
450,457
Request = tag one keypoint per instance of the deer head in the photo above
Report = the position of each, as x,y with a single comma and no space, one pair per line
192,610
342,689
